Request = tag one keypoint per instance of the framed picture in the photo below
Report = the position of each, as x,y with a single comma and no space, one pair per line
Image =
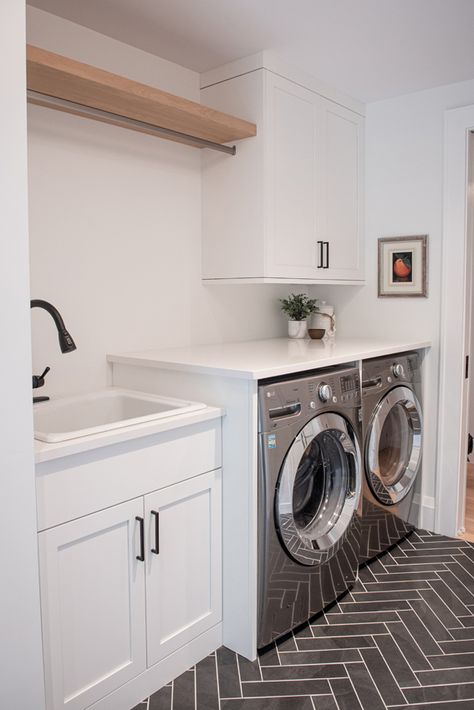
403,266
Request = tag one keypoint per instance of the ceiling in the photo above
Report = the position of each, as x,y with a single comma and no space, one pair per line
371,49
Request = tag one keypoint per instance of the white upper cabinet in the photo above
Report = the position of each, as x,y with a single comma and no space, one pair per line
288,206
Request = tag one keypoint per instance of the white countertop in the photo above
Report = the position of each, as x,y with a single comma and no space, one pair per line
48,452
258,359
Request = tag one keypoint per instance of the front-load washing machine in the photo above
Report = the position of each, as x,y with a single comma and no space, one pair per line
392,431
310,478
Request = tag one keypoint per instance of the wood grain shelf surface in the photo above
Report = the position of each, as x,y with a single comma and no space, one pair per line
54,75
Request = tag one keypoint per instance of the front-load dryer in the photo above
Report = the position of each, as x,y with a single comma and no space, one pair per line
393,432
310,477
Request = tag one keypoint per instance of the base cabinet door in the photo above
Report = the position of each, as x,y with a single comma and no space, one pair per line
183,585
92,600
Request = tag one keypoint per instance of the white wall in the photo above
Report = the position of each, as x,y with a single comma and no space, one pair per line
404,195
21,673
115,229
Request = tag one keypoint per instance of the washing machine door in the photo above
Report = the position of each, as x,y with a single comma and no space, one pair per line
393,445
318,489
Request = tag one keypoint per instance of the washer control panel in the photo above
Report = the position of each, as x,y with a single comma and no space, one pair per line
350,387
380,374
283,401
338,388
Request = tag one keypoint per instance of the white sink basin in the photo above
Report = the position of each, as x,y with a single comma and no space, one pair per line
73,417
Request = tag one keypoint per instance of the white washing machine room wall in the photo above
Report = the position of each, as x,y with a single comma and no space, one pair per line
310,480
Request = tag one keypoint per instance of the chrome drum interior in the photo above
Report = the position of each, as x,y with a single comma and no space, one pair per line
393,445
318,488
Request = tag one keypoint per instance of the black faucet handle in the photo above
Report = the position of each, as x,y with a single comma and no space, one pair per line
38,380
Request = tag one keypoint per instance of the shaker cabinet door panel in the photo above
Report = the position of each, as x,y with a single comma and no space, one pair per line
292,188
183,584
342,196
92,601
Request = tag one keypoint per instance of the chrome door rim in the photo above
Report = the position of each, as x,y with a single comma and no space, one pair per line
307,550
392,494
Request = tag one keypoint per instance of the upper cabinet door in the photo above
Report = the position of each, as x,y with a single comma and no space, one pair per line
292,179
92,605
342,193
288,208
184,566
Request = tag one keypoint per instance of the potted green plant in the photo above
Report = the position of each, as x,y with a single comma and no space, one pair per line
298,306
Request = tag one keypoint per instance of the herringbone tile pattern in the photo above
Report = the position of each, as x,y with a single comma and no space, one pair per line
402,638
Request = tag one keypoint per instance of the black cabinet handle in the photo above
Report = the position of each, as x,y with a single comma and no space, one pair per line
320,255
141,556
156,549
326,265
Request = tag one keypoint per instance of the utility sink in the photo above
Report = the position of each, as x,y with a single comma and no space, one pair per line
113,408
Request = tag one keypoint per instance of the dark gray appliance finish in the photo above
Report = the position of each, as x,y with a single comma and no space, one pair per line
392,433
309,488
402,638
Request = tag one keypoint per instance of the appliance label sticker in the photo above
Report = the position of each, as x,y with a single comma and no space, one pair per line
271,441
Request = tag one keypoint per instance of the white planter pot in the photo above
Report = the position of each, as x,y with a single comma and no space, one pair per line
297,329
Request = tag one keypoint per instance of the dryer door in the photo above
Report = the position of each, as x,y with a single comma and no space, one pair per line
318,489
393,445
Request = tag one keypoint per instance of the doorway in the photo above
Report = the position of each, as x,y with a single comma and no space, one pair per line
456,310
466,527
468,533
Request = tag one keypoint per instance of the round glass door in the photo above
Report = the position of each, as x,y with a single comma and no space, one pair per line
393,445
318,488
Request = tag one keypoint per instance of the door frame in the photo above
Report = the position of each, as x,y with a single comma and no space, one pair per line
455,323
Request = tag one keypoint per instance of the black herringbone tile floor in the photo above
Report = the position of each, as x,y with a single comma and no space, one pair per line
402,638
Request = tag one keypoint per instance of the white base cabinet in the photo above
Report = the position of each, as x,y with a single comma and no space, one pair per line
93,605
124,588
289,206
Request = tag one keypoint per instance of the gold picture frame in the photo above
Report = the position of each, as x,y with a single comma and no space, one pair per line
402,266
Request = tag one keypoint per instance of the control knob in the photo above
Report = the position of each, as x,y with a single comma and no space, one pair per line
398,370
325,392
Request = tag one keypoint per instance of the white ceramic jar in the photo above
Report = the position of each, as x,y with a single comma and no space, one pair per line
325,319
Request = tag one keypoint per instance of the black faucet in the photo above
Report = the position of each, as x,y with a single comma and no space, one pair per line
66,343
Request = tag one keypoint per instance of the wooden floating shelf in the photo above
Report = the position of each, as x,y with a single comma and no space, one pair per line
144,108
